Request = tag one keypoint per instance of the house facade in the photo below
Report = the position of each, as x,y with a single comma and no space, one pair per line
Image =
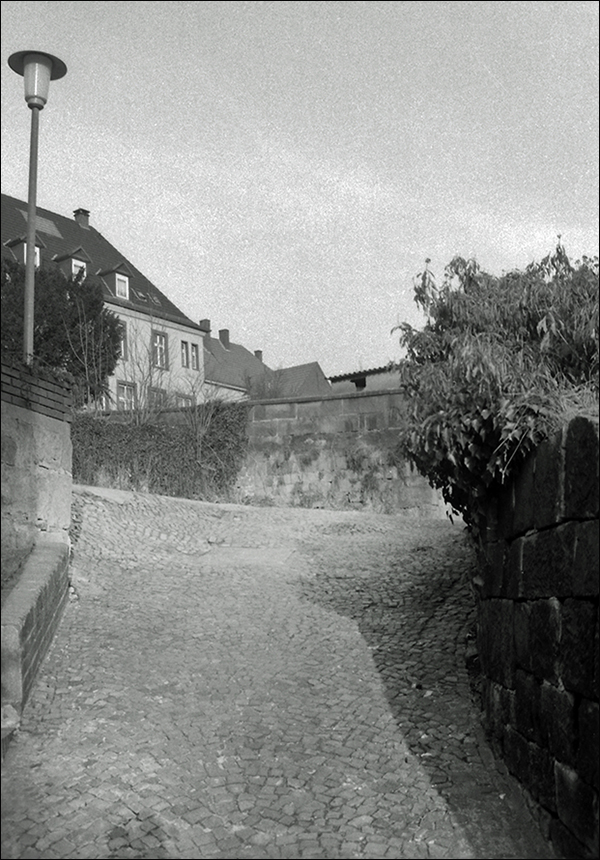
162,350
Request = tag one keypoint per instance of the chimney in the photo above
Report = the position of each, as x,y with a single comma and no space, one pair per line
224,337
258,354
205,324
82,216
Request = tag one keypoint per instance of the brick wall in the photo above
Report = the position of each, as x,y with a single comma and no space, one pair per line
538,633
333,452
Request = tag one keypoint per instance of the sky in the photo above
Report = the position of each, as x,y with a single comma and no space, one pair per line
285,168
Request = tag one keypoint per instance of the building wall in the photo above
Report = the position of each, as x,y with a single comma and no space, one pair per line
138,367
333,452
538,633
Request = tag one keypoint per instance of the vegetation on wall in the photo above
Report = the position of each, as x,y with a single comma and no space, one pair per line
74,334
496,368
197,459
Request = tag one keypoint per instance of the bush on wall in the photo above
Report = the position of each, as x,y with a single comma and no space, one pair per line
198,458
499,364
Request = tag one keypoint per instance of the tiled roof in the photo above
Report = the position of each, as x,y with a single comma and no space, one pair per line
234,366
60,237
357,374
303,379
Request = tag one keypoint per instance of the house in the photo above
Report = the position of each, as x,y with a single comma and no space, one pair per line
375,379
166,358
162,350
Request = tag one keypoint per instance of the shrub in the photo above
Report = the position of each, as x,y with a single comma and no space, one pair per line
498,365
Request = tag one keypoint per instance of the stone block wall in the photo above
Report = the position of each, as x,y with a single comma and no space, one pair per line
333,452
36,518
36,460
538,633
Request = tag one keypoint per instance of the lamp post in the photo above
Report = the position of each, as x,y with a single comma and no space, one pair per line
37,69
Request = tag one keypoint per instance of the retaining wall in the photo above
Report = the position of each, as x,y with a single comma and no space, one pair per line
538,634
334,452
36,517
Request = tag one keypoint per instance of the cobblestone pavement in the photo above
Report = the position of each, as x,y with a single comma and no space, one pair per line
236,682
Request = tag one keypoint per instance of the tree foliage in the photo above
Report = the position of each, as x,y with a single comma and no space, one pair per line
494,369
74,333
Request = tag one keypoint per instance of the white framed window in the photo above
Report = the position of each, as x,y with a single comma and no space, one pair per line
160,350
36,255
125,395
184,401
121,286
124,342
78,267
195,357
185,353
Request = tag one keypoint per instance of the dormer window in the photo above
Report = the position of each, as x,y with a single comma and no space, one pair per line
73,264
36,255
117,280
18,246
121,286
78,268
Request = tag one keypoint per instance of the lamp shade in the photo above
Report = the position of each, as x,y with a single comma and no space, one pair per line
37,69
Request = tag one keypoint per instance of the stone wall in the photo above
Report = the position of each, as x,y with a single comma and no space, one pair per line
333,452
36,517
538,634
36,460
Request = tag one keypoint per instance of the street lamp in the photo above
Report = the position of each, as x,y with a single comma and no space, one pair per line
37,70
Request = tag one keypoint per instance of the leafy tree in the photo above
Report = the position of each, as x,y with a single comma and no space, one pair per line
74,333
495,369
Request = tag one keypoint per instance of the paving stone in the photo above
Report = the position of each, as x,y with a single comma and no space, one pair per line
239,682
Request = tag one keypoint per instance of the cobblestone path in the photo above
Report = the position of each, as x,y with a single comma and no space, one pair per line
236,682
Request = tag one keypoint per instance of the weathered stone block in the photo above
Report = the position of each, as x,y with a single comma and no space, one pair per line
548,482
577,805
496,640
544,638
532,766
513,569
548,562
576,654
588,754
506,508
581,469
498,707
523,516
491,567
559,723
586,567
522,620
565,843
526,705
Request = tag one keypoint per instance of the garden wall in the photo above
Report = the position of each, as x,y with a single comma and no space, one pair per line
36,517
334,452
538,634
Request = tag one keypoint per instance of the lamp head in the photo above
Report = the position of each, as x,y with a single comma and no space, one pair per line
37,69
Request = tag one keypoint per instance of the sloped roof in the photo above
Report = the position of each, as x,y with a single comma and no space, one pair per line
358,374
303,380
60,237
234,366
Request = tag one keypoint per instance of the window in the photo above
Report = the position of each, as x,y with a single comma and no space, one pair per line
78,267
36,255
121,286
185,353
160,355
195,357
157,398
124,349
125,395
183,401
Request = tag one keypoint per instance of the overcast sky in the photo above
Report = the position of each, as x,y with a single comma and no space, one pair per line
284,168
